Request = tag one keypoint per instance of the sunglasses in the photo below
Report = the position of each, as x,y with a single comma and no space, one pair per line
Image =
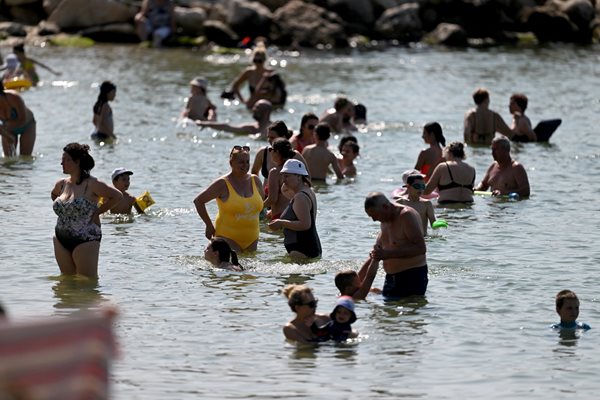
310,127
240,148
311,304
418,186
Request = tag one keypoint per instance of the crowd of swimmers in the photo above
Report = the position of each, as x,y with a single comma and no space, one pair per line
278,187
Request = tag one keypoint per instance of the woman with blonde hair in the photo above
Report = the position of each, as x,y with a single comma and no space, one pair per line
305,326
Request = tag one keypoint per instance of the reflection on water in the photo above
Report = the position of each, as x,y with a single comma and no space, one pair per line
75,292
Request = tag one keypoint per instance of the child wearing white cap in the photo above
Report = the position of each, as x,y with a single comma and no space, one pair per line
121,181
198,106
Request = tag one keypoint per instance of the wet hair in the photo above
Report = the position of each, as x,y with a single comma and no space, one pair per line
81,153
105,88
436,129
412,178
503,142
346,139
360,112
281,129
353,145
294,294
344,279
305,118
340,103
375,199
457,149
323,131
564,295
284,148
480,95
226,254
521,100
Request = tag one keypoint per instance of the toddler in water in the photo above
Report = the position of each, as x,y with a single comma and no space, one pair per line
342,318
103,118
198,106
121,181
567,306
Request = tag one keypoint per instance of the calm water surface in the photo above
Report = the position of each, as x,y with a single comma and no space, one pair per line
188,331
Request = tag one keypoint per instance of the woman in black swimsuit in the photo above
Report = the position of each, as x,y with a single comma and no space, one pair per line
453,178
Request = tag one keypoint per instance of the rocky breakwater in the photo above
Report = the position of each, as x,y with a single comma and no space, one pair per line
315,23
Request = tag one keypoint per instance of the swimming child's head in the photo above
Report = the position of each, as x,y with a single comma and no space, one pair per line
567,306
347,282
120,178
343,312
415,184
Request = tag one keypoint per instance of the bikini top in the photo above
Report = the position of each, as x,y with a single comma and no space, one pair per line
454,184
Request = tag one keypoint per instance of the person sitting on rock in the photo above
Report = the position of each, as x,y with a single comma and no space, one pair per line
156,21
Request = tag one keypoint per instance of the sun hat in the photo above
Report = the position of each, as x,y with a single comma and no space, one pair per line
408,173
200,82
348,304
120,171
293,166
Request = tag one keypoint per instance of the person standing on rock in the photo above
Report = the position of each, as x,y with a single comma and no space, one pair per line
156,21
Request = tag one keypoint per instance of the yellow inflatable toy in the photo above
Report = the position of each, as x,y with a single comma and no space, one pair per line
17,83
142,202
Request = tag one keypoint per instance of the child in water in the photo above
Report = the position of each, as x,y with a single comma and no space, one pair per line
198,106
103,118
349,152
12,68
29,64
567,307
358,285
219,253
342,318
121,181
415,185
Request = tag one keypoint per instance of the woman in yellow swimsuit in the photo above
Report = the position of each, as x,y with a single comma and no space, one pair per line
239,196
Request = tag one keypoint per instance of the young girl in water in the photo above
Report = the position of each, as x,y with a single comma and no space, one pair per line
103,119
219,253
429,158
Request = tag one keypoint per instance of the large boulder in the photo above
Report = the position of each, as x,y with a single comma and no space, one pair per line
400,23
190,20
249,19
448,34
50,5
11,3
219,33
307,25
272,4
29,14
81,14
12,29
355,12
559,21
46,28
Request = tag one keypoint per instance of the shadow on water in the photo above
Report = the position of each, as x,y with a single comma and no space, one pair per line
75,293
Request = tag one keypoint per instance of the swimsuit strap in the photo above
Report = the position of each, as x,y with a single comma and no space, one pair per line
311,204
449,172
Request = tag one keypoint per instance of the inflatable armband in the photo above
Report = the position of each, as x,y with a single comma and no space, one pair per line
142,202
439,223
18,83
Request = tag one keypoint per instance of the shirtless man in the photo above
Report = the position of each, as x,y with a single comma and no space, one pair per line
400,245
481,123
340,116
415,185
505,175
318,157
521,123
261,112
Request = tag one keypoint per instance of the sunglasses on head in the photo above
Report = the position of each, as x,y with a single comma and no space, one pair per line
237,148
418,186
311,304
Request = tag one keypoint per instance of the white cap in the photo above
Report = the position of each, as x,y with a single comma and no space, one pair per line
293,166
120,171
200,82
408,173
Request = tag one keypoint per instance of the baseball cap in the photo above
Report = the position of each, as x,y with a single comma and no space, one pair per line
293,166
120,171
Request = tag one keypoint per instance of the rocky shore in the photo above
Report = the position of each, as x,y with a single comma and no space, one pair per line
313,23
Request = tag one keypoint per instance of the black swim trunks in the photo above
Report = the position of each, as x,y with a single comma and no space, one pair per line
412,282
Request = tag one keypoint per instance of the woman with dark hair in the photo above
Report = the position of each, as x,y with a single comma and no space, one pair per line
453,178
306,135
77,233
103,120
18,125
281,151
263,163
429,158
219,253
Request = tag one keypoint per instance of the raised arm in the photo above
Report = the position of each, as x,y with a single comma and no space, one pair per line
44,66
372,266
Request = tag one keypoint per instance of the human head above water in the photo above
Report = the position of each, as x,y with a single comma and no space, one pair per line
435,129
283,147
520,100
80,152
281,129
346,139
306,118
345,281
323,131
346,303
226,254
480,95
562,296
297,294
456,150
